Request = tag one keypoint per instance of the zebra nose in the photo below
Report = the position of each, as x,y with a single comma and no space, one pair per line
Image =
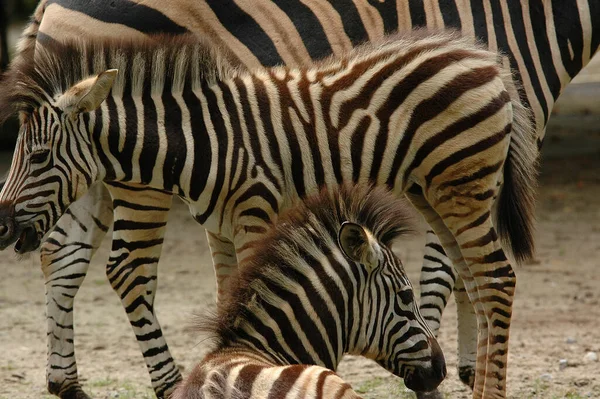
7,224
427,379
7,228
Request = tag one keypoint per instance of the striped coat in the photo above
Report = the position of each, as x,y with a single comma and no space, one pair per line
437,102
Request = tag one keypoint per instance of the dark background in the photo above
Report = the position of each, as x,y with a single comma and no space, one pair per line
11,12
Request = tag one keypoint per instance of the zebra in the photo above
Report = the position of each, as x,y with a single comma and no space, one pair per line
545,42
325,282
249,142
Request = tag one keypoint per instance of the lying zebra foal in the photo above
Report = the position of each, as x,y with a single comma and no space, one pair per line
427,115
323,282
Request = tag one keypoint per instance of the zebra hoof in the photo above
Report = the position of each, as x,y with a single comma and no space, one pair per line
467,375
73,392
435,394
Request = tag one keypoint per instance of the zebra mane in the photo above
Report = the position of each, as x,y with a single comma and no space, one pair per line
310,224
40,74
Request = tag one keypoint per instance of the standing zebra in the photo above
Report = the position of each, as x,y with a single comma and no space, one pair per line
324,282
427,115
546,42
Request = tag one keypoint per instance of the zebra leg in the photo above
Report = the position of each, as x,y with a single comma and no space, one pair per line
467,334
138,234
65,257
224,261
472,247
438,278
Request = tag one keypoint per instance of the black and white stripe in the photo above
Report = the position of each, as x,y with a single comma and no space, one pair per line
427,115
547,42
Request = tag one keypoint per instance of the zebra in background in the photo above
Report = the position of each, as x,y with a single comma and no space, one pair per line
244,145
324,282
546,43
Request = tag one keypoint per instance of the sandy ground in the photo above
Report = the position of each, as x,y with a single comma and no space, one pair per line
557,298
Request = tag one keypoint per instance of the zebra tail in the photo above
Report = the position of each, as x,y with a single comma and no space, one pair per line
515,209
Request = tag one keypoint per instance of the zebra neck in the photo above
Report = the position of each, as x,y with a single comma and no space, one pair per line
300,316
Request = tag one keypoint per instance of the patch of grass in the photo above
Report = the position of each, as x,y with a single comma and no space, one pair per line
370,385
573,395
122,389
102,383
379,387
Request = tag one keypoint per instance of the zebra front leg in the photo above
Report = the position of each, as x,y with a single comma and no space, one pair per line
438,278
138,234
65,257
224,261
467,334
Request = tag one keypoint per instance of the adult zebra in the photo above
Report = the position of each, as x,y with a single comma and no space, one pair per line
547,42
325,277
427,115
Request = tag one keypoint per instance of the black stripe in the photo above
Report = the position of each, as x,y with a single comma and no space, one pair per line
125,12
502,42
353,25
220,133
465,153
538,27
251,126
450,14
246,30
519,30
388,13
417,13
150,137
130,130
203,156
357,145
308,27
479,22
456,128
568,28
176,152
595,19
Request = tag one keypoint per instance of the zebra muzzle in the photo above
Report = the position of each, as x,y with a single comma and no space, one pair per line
7,227
28,240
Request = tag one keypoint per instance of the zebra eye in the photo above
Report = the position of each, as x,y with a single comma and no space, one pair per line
39,156
406,296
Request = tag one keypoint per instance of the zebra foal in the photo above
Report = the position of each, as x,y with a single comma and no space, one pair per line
427,115
324,282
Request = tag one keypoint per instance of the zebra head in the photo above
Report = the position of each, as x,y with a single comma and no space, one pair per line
53,163
391,330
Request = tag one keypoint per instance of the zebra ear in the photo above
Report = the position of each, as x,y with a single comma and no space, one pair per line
358,244
89,94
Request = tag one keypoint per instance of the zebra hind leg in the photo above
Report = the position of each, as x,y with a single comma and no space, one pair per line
65,257
472,244
138,234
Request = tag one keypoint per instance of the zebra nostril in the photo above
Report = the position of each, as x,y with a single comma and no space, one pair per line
4,230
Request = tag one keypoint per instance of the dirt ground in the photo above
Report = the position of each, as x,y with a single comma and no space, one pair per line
556,315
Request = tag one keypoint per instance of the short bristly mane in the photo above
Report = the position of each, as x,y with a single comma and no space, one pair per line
168,61
312,223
